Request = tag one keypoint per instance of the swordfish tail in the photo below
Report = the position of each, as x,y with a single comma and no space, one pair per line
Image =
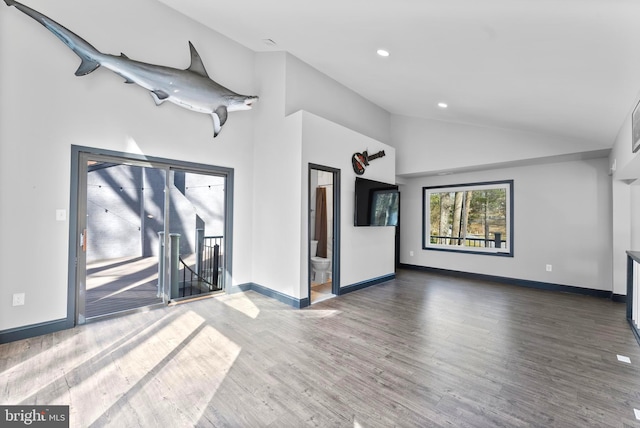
88,54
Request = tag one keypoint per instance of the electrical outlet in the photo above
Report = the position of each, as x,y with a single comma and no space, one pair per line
61,215
549,268
18,299
411,253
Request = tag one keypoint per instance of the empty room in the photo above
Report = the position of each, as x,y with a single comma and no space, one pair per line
286,214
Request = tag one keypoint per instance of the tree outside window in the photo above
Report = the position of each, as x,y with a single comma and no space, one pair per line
473,217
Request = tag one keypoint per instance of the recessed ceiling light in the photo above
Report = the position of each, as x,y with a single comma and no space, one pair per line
382,52
443,105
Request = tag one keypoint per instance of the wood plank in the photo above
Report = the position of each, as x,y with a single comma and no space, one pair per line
420,350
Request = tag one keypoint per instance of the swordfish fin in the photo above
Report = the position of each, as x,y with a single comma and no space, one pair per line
196,62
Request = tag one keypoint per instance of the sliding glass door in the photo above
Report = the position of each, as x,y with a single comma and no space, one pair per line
147,232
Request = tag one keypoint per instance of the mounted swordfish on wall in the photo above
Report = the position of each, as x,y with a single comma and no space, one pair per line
191,88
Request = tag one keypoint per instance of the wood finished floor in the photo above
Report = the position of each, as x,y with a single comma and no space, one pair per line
419,351
320,292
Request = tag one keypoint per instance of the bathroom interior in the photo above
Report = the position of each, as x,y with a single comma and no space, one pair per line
321,234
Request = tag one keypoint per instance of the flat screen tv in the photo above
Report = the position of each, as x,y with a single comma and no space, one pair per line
377,203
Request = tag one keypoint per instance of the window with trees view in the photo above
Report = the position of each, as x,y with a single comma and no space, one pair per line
473,217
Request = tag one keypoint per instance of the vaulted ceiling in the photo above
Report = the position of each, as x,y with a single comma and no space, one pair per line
568,68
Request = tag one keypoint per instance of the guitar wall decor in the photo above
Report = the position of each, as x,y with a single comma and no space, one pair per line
361,160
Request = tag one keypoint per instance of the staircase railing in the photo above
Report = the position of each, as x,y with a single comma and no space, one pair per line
194,284
206,276
212,260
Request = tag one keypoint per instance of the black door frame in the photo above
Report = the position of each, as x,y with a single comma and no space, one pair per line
335,256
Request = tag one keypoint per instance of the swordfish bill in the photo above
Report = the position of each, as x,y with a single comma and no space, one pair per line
191,88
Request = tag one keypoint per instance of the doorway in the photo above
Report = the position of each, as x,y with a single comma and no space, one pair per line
324,233
121,212
127,210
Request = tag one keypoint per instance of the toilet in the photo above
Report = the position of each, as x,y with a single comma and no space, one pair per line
319,265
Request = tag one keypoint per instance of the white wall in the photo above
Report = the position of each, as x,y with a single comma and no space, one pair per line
562,217
366,252
621,235
277,183
635,214
627,163
312,91
44,109
625,166
285,143
430,145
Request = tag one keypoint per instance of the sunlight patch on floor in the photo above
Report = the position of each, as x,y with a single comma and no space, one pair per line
143,371
240,302
197,374
57,362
